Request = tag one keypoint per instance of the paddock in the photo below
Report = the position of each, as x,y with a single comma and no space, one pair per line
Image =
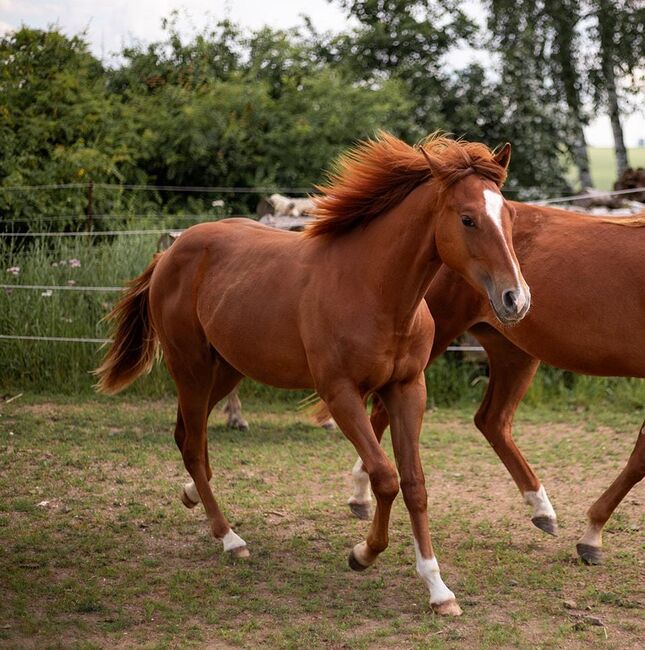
99,551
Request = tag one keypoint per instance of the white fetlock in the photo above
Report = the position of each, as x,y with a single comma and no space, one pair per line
234,544
442,599
540,502
190,490
362,494
592,536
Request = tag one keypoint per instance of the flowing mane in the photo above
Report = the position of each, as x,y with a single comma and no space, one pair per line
378,174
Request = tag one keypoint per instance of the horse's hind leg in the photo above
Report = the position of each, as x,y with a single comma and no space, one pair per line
189,496
200,387
511,373
233,410
590,545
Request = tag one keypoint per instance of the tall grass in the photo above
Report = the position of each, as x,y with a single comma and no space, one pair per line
65,367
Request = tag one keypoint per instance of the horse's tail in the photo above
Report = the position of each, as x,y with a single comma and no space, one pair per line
321,415
134,340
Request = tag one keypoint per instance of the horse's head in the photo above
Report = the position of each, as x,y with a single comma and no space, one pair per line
474,234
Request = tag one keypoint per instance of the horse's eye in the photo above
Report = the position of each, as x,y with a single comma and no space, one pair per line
468,222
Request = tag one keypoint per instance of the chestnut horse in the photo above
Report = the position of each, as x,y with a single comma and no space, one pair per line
587,278
338,308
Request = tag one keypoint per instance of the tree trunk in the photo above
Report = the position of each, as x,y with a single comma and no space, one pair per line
581,157
614,115
606,26
564,17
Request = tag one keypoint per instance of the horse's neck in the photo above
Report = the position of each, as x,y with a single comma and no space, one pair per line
398,254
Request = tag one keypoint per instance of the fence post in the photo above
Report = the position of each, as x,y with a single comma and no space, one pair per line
89,211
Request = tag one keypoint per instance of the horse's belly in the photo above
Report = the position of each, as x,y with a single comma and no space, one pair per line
276,361
255,330
583,350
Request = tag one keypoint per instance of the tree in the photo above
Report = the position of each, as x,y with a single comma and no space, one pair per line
620,36
58,126
407,41
540,49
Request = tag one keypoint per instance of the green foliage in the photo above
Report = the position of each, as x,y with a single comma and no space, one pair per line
617,29
229,108
411,42
557,56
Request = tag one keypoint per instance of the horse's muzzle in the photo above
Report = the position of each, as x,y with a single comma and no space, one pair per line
511,305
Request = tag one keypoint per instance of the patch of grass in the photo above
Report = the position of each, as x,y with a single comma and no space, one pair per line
113,558
603,166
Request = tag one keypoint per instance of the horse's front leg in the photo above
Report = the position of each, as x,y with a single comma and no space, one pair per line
511,373
405,404
347,407
361,499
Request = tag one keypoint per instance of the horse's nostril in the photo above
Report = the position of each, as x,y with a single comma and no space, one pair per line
509,299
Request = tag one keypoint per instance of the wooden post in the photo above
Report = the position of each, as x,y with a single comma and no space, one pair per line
89,211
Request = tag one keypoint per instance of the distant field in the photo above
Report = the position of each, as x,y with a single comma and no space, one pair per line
603,164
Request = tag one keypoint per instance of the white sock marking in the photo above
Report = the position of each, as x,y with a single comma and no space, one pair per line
428,569
231,540
592,536
540,501
361,484
191,492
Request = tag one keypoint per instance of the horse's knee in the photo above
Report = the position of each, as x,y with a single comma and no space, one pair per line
385,483
415,495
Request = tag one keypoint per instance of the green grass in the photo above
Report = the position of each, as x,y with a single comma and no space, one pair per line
115,559
603,164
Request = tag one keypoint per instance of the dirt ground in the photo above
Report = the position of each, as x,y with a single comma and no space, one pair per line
98,551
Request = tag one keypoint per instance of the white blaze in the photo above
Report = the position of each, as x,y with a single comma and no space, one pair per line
428,569
494,202
540,501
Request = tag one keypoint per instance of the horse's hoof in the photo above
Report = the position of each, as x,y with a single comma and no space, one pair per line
589,554
238,425
186,500
240,552
361,510
447,608
547,524
330,425
354,564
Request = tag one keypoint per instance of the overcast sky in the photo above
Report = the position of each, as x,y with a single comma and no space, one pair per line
110,25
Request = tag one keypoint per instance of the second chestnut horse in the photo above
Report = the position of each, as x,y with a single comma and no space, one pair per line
587,280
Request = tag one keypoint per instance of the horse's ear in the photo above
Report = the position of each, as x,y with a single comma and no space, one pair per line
503,156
